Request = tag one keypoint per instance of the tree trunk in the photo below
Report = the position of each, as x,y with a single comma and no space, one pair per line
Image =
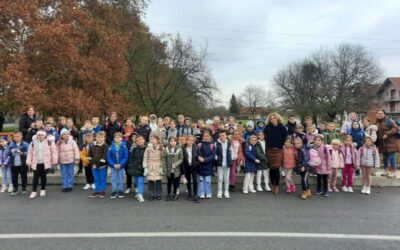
2,119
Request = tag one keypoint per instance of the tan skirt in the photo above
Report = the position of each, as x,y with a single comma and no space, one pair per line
275,158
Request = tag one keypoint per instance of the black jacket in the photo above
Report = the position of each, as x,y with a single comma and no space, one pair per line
135,162
144,131
25,123
275,135
98,155
219,154
186,158
291,128
110,129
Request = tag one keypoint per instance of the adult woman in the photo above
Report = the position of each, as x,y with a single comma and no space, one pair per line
387,142
275,133
26,121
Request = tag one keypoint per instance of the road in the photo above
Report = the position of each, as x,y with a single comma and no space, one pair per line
336,222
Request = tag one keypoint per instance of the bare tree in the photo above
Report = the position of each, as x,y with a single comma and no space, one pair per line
255,98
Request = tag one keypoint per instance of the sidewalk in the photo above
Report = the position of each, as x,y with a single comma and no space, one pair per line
377,181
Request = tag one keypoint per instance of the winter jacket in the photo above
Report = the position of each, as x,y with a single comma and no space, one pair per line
50,155
358,136
84,152
289,157
329,136
325,166
194,162
127,132
172,132
262,156
152,160
368,157
291,128
371,131
246,134
25,123
347,125
250,156
4,156
303,158
68,152
98,155
275,135
388,145
260,125
206,150
219,153
237,150
135,162
117,155
310,137
162,133
13,147
301,135
353,152
186,130
97,129
172,157
144,130
111,128
337,158
53,132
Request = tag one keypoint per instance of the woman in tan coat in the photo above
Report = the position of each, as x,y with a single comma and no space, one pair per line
387,141
152,164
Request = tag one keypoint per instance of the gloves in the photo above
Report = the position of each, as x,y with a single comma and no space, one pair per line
145,172
161,171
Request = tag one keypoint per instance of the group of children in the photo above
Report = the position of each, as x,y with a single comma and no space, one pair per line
186,154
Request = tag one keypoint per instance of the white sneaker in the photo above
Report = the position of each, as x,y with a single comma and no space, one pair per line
86,187
336,190
93,186
10,189
363,189
259,188
245,191
253,191
267,188
283,173
140,198
33,195
3,190
368,190
227,195
344,189
350,189
177,191
42,193
219,195
128,191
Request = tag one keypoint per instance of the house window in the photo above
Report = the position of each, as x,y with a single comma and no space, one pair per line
393,94
392,107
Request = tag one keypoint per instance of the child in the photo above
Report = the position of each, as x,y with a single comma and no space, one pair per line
153,122
289,162
160,129
117,157
223,158
172,132
42,155
143,128
186,129
190,168
337,161
250,166
85,130
249,131
302,166
350,159
131,143
96,124
70,126
298,133
18,151
237,158
152,164
324,168
50,130
129,129
5,167
97,157
62,123
368,157
370,129
357,134
262,168
68,155
330,133
111,127
260,125
205,156
135,166
88,142
311,133
172,160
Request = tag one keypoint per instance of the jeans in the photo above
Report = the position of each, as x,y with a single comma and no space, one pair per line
19,170
117,180
389,157
100,179
288,177
6,176
304,180
223,179
139,180
67,175
41,173
205,186
155,188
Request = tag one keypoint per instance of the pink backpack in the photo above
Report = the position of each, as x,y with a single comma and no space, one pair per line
315,160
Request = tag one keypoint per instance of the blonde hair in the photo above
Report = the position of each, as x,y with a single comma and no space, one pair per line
335,141
277,116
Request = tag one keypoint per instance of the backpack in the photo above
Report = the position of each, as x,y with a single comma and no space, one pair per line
389,124
314,160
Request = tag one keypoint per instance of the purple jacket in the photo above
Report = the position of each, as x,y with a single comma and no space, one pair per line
4,156
354,155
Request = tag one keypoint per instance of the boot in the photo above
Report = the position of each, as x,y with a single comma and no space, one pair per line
308,193
273,189
277,190
288,189
304,195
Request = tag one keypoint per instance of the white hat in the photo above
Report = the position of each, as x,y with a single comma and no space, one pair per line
64,131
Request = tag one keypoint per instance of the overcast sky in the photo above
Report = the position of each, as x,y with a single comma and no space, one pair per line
249,41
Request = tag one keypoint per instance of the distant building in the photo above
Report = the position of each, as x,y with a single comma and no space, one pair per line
245,113
388,98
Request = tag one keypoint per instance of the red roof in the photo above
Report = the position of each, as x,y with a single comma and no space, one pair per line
395,81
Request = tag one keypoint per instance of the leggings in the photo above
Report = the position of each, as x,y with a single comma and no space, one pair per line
172,181
366,175
332,178
274,175
232,174
304,180
324,179
288,177
191,177
89,175
39,172
15,172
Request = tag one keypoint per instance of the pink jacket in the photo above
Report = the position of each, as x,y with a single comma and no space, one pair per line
67,152
324,154
354,155
289,157
337,159
50,153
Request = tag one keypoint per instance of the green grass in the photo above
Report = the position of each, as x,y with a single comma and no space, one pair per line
9,129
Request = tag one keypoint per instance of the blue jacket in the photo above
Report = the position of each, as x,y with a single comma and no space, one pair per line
4,156
23,146
207,151
250,156
117,157
303,157
358,136
54,133
259,128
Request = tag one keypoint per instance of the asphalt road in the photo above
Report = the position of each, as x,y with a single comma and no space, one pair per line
75,213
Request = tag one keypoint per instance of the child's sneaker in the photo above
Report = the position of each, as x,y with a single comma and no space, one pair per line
363,189
293,188
318,193
140,198
350,189
368,190
23,192
33,195
330,190
168,198
288,190
253,191
42,193
15,193
202,197
3,189
226,194
208,196
308,193
86,187
93,186
219,195
10,189
259,188
267,188
335,190
102,195
326,194
120,194
128,191
114,195
94,195
304,195
245,191
344,189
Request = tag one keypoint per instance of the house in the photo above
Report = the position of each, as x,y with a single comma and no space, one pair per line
388,97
